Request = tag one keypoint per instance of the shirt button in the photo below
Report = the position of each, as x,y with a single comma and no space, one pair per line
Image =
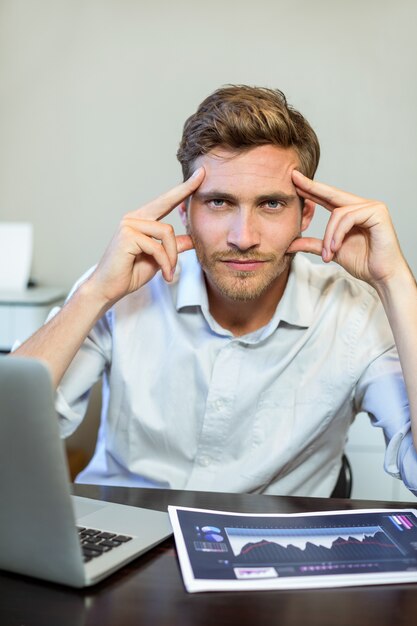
219,405
204,461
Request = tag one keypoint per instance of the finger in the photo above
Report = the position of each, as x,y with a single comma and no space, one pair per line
306,244
151,247
315,199
184,243
342,222
325,195
164,204
163,232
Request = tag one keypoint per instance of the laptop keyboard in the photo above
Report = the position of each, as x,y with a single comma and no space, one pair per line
95,542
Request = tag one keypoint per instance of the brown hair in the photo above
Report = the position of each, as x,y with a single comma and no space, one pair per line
239,117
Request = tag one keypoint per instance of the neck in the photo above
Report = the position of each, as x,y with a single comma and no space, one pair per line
241,317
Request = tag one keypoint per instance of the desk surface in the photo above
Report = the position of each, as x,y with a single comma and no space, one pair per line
150,590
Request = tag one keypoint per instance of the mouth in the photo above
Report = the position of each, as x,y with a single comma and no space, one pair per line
244,265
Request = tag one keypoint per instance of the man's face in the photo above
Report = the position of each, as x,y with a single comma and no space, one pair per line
242,219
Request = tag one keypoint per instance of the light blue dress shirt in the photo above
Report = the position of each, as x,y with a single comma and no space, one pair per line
187,405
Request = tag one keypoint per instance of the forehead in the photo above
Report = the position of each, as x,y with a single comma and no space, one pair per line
260,169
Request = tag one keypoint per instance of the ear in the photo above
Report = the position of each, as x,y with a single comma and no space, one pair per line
308,213
182,209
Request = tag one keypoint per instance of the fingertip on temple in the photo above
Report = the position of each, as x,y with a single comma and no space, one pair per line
197,174
299,175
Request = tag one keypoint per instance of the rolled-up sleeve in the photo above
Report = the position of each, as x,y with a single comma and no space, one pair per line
85,370
381,393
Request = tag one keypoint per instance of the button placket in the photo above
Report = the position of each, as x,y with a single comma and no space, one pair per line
219,409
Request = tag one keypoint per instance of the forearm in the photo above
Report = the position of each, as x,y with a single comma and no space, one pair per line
399,298
59,340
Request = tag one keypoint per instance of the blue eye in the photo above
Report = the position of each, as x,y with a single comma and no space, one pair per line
217,203
273,204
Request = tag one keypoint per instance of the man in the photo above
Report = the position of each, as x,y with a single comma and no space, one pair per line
239,366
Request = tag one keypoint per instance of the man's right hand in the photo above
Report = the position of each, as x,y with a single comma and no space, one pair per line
143,245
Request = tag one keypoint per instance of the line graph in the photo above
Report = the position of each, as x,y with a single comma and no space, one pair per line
298,537
267,545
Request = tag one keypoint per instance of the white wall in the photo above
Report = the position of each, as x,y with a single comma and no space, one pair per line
93,95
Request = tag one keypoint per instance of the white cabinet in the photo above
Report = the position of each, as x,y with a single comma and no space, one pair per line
365,451
21,313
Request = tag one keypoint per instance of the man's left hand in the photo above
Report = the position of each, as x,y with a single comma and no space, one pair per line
359,235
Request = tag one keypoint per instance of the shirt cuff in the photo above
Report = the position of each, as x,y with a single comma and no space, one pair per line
401,458
68,418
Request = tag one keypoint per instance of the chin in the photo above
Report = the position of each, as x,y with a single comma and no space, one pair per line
244,287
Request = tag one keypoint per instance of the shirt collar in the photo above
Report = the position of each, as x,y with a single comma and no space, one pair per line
191,285
295,307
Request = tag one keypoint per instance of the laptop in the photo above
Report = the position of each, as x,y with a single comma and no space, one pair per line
46,532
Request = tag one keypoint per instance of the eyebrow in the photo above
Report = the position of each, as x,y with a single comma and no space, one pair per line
218,194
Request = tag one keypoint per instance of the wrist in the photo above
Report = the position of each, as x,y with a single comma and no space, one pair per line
92,298
397,286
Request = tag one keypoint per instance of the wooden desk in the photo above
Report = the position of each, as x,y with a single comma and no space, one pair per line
150,590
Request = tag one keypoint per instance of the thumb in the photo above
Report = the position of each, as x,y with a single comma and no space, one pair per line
306,244
184,242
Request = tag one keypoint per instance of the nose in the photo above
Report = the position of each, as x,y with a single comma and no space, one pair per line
243,231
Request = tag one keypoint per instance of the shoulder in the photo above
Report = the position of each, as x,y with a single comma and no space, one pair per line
331,280
330,293
344,310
